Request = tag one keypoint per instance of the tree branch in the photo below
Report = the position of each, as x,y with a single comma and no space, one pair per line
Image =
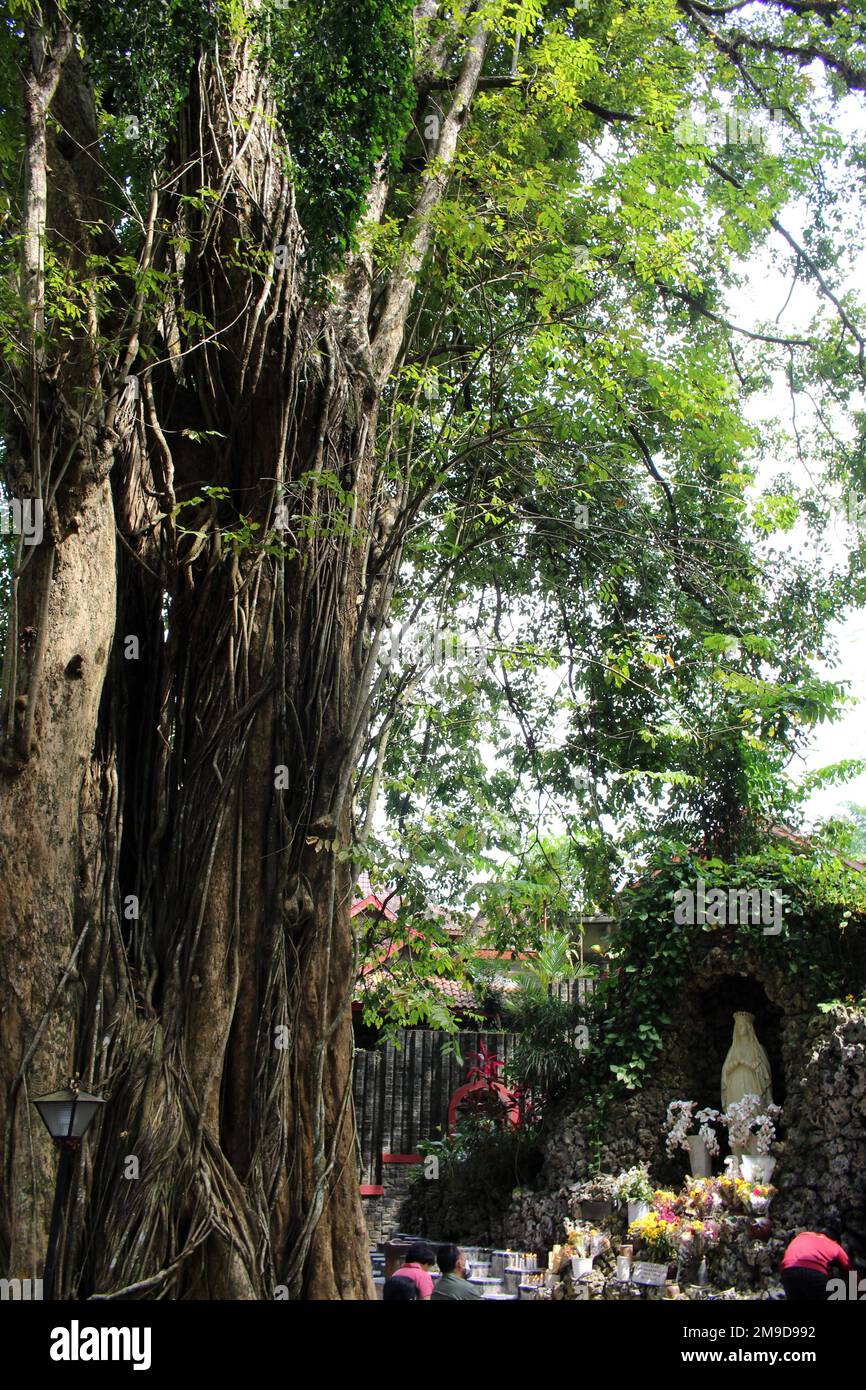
810,264
388,334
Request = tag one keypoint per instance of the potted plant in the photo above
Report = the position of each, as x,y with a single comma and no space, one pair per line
751,1133
583,1244
692,1131
635,1189
596,1197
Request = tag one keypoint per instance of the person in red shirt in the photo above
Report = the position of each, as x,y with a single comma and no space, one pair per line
420,1259
807,1265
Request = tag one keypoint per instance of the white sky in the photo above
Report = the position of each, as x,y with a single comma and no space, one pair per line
760,300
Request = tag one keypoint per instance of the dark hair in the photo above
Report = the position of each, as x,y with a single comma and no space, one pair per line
447,1258
420,1254
399,1289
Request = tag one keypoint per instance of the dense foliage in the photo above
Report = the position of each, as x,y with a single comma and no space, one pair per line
822,947
627,643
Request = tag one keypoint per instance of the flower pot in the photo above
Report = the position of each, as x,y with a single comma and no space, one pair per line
759,1229
637,1211
699,1157
595,1211
757,1167
580,1266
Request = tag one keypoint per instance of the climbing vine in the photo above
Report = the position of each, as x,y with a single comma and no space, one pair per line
823,911
342,78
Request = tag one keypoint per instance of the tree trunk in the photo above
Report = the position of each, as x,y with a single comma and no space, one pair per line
186,690
193,806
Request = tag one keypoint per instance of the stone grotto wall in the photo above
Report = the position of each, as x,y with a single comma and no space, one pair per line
818,1063
382,1210
823,1168
820,1159
819,1075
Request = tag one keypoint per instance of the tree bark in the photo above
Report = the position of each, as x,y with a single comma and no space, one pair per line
184,703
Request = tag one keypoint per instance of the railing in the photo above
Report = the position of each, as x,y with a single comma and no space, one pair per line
402,1093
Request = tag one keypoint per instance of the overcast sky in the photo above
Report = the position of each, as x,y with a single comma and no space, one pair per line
762,299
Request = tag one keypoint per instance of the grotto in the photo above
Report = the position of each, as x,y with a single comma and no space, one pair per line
792,995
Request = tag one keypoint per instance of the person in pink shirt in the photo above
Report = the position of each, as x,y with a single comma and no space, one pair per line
420,1259
807,1265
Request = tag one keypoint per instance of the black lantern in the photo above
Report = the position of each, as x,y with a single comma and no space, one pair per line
67,1115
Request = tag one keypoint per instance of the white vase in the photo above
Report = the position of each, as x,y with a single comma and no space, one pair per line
757,1167
699,1156
623,1268
637,1211
580,1266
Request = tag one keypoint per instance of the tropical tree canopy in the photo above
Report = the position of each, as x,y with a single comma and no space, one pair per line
375,371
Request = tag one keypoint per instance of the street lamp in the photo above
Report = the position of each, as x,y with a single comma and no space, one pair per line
67,1116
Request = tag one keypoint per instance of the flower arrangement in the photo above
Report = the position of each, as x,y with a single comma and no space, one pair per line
664,1197
745,1118
658,1235
687,1225
634,1185
760,1196
703,1196
667,1204
734,1192
738,1195
684,1224
680,1122
696,1237
584,1241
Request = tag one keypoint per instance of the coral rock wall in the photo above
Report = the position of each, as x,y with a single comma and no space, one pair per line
821,1168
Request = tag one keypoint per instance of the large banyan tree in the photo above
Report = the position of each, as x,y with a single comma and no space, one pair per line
240,241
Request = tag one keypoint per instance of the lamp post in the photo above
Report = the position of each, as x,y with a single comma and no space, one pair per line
67,1116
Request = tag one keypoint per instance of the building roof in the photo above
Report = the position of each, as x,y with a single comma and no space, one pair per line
379,899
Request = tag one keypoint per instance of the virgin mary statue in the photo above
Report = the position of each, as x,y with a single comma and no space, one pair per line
746,1071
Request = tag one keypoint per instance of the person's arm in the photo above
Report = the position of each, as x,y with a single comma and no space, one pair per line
840,1258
